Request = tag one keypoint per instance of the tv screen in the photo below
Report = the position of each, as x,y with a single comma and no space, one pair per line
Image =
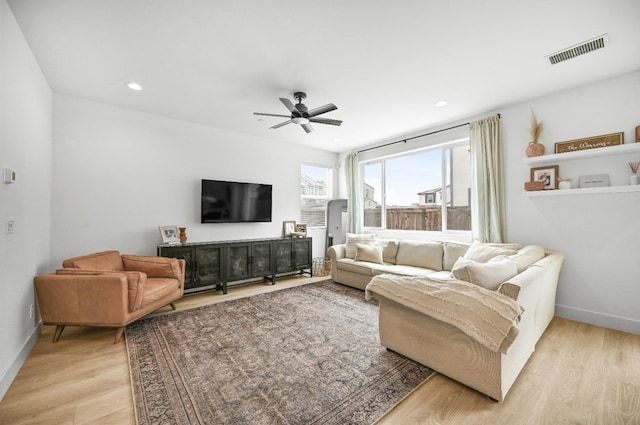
235,202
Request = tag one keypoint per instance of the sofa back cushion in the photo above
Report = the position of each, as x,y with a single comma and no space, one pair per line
453,251
527,256
353,239
389,250
426,254
105,260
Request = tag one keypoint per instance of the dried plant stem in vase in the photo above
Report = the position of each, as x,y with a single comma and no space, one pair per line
635,178
535,148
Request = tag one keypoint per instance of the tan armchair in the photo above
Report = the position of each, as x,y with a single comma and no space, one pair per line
108,289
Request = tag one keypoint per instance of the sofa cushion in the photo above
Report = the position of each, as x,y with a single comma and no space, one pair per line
453,251
353,239
105,260
370,253
489,275
389,249
360,267
527,256
402,270
427,254
482,252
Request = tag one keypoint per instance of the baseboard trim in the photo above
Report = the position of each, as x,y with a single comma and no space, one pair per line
618,323
12,371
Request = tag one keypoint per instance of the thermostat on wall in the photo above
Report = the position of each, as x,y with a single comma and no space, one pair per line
8,175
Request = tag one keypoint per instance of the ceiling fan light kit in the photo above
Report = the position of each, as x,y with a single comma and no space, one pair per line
301,115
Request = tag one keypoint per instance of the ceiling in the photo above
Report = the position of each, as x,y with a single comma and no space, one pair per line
384,64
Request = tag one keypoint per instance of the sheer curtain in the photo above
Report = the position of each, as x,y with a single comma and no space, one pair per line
354,209
487,181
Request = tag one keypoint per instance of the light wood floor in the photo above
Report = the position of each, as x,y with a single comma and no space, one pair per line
579,374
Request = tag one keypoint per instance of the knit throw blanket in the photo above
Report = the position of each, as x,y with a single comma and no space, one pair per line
487,316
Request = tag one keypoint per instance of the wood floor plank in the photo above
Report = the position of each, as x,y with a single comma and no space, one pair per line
579,374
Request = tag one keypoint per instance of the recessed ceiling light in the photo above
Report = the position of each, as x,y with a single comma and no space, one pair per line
134,86
441,103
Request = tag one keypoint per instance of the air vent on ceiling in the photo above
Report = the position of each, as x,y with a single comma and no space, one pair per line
579,49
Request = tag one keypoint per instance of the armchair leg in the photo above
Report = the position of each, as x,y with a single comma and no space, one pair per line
173,306
119,333
58,333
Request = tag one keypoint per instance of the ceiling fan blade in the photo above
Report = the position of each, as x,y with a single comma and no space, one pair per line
287,103
325,121
307,127
281,124
322,109
271,115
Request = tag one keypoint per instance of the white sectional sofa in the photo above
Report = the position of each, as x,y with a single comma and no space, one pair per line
404,276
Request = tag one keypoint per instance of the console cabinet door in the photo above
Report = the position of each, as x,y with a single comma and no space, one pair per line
210,265
302,256
284,256
238,261
262,259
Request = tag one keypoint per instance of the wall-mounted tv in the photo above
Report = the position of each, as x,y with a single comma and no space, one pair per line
235,202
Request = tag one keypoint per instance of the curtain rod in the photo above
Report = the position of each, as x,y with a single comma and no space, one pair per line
415,137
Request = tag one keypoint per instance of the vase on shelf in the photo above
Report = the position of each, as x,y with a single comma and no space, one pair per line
535,148
183,235
635,178
564,183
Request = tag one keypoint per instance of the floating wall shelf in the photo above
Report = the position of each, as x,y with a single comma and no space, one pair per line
588,153
583,191
627,148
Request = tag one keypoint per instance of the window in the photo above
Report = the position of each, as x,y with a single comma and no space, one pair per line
427,190
316,184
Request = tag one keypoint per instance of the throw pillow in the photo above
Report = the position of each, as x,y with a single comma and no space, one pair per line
489,275
482,252
370,253
353,239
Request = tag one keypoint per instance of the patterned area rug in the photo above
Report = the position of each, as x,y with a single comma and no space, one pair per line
305,355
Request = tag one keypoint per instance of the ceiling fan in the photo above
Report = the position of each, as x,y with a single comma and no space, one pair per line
301,115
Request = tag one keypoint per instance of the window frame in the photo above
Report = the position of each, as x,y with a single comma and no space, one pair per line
329,190
442,147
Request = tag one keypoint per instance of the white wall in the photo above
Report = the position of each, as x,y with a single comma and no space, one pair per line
25,147
600,234
118,174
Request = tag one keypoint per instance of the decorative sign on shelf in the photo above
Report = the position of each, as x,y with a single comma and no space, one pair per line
590,143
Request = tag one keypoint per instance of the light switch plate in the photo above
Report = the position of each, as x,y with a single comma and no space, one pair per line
9,226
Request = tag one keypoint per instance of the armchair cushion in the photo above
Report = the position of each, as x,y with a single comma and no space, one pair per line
153,266
105,260
135,282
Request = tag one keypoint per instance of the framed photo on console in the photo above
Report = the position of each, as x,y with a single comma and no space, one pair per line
288,227
548,175
170,234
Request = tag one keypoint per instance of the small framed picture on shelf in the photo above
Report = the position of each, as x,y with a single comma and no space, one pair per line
170,234
288,227
301,229
548,175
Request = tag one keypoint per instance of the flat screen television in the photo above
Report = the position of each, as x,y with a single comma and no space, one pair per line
235,202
